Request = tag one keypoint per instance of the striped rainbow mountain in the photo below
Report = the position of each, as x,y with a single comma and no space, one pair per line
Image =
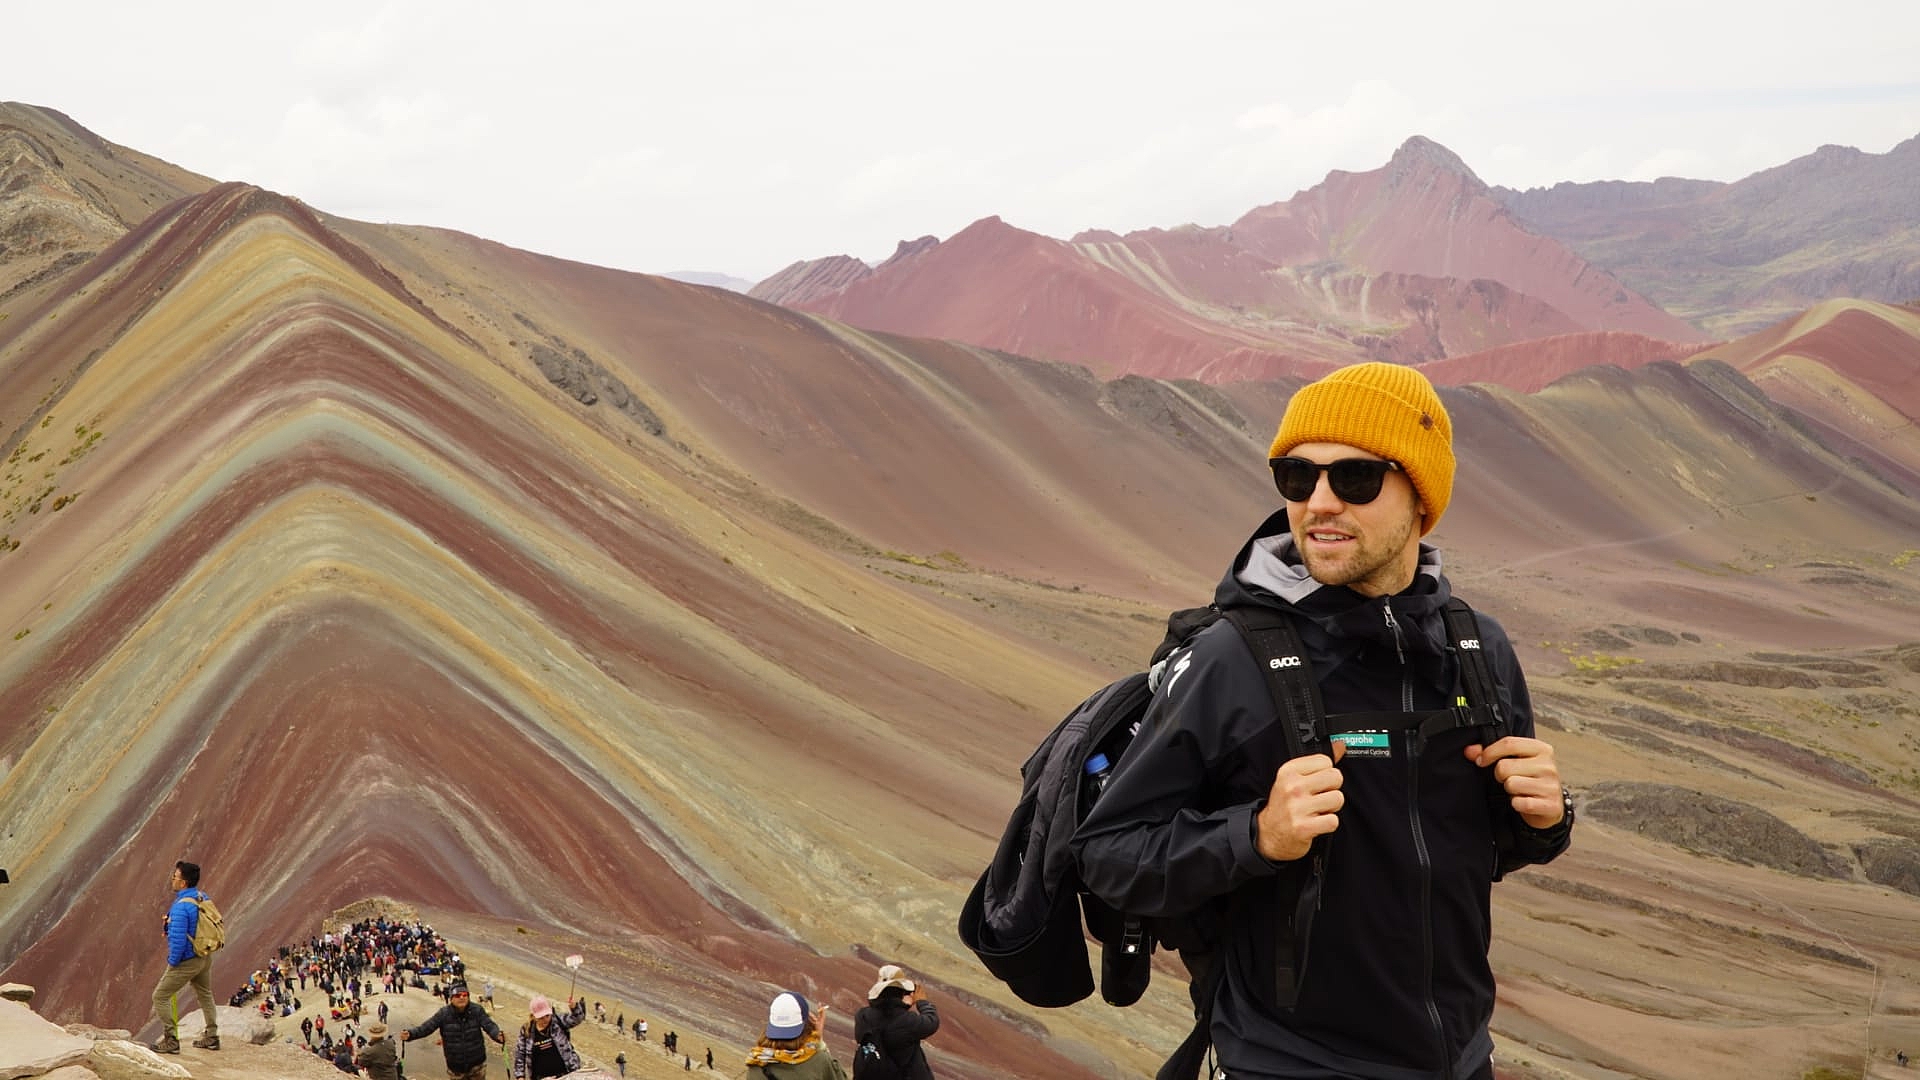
592,611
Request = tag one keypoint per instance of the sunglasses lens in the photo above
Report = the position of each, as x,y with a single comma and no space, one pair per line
1356,480
1295,478
1353,480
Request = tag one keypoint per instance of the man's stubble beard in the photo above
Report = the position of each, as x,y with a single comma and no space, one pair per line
1373,560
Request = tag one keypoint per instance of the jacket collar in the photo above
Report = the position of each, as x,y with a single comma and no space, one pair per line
1268,571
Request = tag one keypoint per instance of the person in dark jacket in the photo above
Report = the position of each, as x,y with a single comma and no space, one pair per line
464,1028
896,1018
544,1047
1207,820
379,1059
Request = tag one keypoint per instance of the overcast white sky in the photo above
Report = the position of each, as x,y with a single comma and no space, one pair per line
740,136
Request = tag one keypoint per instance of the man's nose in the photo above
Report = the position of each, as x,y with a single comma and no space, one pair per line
1323,500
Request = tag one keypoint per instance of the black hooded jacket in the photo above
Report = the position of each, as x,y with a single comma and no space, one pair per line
1396,982
464,1033
898,1031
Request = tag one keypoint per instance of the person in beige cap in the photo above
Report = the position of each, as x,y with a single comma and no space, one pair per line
897,1017
1347,889
378,1058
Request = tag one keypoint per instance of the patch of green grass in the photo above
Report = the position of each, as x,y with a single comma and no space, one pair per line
1596,663
13,501
1722,570
944,560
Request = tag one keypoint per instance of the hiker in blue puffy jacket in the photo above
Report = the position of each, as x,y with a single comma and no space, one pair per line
1342,898
183,967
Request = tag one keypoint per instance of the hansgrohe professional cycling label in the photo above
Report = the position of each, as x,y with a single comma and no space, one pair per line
1365,744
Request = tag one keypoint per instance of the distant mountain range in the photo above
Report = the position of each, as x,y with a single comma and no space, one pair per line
718,281
1732,258
594,612
1414,262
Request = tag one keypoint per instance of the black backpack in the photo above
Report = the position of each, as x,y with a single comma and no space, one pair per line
1023,918
870,1060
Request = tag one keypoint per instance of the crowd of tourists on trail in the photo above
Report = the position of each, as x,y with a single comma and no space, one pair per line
373,956
369,957
379,956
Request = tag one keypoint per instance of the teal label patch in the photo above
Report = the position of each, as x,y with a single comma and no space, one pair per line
1366,744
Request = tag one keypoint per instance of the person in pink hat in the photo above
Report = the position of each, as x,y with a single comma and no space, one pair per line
545,1048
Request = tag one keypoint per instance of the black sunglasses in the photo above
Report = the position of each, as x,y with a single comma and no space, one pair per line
1354,480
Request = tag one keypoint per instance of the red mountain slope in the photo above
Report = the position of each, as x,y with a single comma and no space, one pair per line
1426,213
1411,263
1852,369
1532,365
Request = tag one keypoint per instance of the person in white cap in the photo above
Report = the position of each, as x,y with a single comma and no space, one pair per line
544,1047
792,1048
897,1017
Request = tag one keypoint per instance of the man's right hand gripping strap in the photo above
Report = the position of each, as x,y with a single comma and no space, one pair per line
1282,657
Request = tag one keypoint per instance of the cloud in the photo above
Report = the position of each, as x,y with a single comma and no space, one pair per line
383,154
733,137
1282,145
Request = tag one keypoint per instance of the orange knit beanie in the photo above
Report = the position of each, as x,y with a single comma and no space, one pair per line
1386,409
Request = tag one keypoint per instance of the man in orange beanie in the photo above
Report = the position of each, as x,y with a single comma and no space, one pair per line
1344,885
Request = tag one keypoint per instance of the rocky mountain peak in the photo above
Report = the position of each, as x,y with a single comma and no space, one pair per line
906,249
811,279
1420,156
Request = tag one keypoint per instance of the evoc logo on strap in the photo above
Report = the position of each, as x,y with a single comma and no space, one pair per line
1470,643
1294,661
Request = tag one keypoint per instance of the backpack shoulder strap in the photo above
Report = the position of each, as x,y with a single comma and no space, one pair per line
1282,657
1476,674
1482,700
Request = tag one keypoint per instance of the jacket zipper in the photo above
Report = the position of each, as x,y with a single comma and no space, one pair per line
1423,857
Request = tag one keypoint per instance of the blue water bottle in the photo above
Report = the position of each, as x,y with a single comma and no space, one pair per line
1099,771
